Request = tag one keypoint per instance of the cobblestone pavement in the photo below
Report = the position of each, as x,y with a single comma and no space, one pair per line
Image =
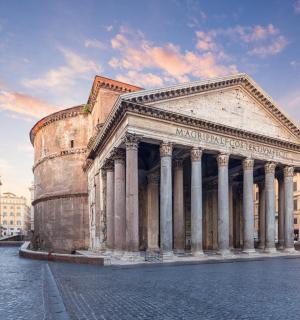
21,286
241,290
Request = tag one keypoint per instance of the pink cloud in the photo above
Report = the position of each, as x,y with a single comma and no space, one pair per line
141,79
139,54
24,104
271,49
205,41
65,76
261,40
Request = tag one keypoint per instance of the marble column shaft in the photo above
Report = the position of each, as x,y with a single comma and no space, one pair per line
289,208
248,205
179,219
166,223
270,206
262,215
196,202
281,210
132,194
231,223
223,206
120,201
153,211
110,219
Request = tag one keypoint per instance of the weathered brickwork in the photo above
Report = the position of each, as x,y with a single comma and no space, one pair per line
61,215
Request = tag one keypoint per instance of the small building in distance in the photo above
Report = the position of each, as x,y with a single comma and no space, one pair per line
14,215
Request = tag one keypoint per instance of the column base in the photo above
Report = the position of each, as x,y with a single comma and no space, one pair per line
198,254
249,251
133,256
108,252
270,250
167,255
289,250
118,254
179,252
224,253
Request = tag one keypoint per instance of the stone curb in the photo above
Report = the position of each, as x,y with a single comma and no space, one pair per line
53,302
58,257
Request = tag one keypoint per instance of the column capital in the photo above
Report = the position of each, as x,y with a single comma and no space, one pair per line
166,149
177,163
196,154
108,165
248,164
223,159
288,171
131,141
118,154
153,178
270,167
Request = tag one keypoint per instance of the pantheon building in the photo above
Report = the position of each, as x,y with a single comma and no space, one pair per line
170,171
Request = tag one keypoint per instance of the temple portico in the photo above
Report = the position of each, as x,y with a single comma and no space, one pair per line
191,200
179,168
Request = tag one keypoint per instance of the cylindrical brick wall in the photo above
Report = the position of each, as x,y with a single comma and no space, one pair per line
61,201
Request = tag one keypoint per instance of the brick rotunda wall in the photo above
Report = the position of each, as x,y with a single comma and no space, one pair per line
61,202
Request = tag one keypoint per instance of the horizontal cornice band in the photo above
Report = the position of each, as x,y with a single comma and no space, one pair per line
60,196
62,153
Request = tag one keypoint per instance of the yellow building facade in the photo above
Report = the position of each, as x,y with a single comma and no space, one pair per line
14,215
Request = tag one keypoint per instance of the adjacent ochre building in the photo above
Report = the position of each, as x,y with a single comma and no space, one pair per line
170,170
14,215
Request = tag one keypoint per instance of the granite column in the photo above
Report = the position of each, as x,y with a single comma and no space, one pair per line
196,202
270,206
223,206
166,223
289,210
179,219
248,206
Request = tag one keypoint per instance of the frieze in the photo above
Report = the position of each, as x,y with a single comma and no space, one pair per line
230,143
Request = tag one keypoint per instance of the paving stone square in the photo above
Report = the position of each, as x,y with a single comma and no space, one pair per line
265,289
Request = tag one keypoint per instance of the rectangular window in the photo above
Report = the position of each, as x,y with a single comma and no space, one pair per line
72,143
295,185
295,221
295,204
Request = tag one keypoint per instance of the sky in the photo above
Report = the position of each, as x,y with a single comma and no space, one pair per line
50,52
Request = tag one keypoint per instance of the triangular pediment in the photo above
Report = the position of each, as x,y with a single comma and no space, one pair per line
236,102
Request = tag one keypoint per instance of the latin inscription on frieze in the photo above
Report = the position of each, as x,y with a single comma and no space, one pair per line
230,143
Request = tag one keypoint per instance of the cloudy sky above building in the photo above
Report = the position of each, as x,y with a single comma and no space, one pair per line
50,52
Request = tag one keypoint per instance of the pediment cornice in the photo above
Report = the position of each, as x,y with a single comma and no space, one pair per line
242,80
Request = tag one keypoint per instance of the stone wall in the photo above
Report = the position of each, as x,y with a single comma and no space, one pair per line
61,204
